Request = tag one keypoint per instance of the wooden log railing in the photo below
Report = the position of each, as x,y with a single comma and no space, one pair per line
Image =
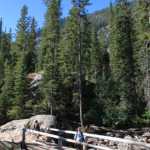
99,137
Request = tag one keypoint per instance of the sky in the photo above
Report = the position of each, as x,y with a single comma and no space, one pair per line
10,10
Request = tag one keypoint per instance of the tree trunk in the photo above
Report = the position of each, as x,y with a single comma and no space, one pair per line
80,71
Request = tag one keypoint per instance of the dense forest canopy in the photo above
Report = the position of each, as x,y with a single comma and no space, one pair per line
94,68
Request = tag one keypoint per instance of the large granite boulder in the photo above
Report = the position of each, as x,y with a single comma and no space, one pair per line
45,121
12,131
13,125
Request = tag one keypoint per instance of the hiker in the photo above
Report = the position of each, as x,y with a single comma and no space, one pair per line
79,138
37,125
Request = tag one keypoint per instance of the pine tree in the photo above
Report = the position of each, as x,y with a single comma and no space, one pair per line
142,26
83,49
1,55
20,87
6,74
5,47
32,52
96,56
7,94
49,55
69,44
75,50
22,33
85,38
142,52
21,49
122,59
143,20
100,55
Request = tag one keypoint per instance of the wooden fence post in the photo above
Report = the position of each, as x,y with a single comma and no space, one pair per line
60,139
23,143
84,147
60,142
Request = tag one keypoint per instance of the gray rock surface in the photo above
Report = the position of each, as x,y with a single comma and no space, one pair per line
45,121
12,131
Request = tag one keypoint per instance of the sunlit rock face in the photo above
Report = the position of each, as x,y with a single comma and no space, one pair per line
35,78
12,131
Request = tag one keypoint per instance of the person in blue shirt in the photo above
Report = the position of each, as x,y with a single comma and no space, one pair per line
79,138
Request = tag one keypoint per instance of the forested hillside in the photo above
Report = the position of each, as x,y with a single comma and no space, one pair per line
94,68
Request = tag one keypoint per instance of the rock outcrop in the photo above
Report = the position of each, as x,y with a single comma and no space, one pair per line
12,131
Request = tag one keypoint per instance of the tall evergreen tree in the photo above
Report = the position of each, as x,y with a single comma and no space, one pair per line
5,47
1,55
83,48
142,53
20,88
7,94
122,60
76,46
96,56
50,53
32,47
22,33
6,74
21,49
69,44
143,19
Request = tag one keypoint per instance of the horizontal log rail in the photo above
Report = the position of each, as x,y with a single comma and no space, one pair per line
100,137
65,139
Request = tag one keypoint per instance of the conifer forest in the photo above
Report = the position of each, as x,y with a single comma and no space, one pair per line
86,68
